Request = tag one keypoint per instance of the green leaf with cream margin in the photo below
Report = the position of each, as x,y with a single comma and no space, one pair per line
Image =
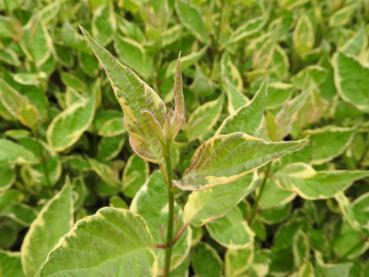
226,158
203,119
135,97
191,18
248,118
151,202
328,142
289,113
205,261
134,175
134,55
7,176
112,127
18,105
360,210
309,184
350,77
273,196
303,36
248,28
14,153
239,261
54,221
231,231
203,206
69,125
36,41
112,242
105,172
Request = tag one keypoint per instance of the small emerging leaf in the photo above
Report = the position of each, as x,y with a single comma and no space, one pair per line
179,115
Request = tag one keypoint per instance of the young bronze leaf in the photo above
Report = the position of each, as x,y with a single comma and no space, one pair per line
179,110
112,242
225,158
134,96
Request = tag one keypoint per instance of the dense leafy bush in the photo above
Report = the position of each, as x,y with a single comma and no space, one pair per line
245,156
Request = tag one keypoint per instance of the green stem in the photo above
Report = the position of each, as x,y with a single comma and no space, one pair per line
168,173
262,187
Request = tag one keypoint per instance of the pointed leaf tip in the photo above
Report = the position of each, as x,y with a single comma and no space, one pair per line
134,96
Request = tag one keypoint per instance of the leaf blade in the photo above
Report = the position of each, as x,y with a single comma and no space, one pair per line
53,221
134,96
225,158
112,240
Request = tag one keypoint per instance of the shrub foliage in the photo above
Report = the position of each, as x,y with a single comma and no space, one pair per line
178,137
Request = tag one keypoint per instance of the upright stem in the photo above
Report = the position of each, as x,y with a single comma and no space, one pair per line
168,173
262,187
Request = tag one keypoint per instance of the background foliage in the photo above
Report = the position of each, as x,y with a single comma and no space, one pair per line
60,122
